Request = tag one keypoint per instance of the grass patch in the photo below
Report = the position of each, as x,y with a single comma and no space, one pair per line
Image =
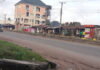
12,51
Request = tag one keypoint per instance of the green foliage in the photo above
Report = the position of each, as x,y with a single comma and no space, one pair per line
13,51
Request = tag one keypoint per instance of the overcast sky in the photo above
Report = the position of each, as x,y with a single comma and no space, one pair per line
84,11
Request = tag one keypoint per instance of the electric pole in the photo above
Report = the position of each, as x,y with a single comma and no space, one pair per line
61,11
5,17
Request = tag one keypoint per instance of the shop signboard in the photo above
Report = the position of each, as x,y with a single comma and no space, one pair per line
89,26
87,29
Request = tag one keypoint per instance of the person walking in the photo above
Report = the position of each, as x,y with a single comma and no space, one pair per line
81,33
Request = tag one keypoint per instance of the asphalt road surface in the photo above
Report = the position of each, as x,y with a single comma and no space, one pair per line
68,55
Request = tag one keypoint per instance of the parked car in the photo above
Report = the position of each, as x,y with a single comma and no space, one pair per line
1,28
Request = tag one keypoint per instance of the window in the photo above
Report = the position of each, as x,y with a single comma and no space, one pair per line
27,7
21,19
32,20
43,22
37,22
38,9
26,20
43,16
17,19
31,14
38,15
27,14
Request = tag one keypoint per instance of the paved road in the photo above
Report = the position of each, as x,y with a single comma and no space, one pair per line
85,50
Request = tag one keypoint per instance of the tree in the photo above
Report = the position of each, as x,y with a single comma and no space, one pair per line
55,23
75,24
47,22
9,19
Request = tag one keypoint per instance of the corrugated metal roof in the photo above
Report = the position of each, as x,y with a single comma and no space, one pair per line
73,27
33,2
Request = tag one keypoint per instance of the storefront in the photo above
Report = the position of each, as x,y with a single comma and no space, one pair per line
89,31
72,30
27,28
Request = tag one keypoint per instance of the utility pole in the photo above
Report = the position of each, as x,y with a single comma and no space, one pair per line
61,11
5,17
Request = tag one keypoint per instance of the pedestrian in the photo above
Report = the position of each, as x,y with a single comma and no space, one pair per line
81,33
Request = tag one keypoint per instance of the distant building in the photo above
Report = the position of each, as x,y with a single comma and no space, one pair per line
31,13
6,22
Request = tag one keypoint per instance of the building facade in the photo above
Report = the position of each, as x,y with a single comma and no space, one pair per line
31,13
